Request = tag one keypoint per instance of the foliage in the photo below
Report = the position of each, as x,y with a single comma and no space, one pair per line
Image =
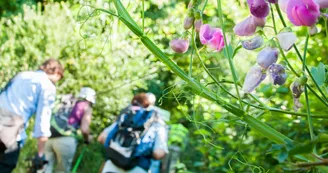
99,51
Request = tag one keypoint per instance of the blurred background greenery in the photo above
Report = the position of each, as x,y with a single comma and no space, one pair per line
99,51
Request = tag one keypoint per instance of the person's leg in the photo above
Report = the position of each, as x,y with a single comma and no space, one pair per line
8,161
65,148
50,156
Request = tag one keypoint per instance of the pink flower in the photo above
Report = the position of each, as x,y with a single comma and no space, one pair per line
188,22
179,45
322,3
212,37
248,26
258,8
303,12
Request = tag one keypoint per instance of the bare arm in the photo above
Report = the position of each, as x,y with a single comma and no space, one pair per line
41,143
159,154
85,123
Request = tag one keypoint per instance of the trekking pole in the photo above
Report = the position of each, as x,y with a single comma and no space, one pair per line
78,161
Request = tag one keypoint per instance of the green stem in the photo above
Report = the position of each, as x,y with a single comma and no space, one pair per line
227,52
143,15
281,51
204,6
202,91
191,56
309,118
300,57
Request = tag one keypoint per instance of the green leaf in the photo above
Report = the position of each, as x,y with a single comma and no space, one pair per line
303,148
319,73
282,156
322,137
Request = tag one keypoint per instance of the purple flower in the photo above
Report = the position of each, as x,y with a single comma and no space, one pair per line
252,43
278,74
322,3
179,45
267,56
286,40
188,22
273,1
198,23
259,8
303,12
248,26
253,78
212,37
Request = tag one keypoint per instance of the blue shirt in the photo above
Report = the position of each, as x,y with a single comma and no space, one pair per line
31,93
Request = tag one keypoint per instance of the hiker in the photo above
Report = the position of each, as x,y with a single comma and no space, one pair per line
28,93
136,137
72,114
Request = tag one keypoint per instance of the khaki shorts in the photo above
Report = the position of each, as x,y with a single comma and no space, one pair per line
109,167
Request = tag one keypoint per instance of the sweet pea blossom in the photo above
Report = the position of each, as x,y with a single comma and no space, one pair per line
213,37
267,56
303,12
258,8
179,45
252,43
248,26
253,78
278,74
286,40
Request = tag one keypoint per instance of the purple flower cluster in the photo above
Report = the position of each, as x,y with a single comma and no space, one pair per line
209,36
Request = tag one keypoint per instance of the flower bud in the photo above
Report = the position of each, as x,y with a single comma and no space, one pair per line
252,43
198,23
286,40
267,56
297,88
188,22
313,30
253,78
179,45
278,74
248,26
258,8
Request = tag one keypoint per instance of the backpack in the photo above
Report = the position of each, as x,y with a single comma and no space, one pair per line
124,138
59,120
10,126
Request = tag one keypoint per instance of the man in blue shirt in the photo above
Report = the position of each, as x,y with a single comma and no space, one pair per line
29,93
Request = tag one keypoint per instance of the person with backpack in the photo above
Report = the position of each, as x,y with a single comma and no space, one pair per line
71,114
28,93
135,138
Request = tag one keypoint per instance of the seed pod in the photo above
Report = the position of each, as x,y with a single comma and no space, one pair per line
278,74
253,78
252,43
267,56
179,45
